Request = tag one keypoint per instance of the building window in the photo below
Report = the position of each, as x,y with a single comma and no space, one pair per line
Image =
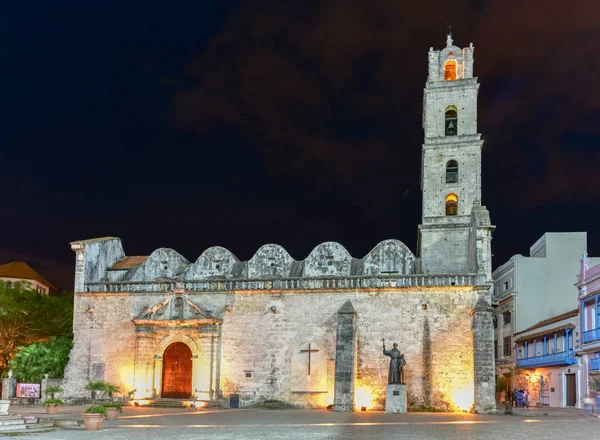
505,285
506,348
496,349
451,121
495,322
506,318
450,70
452,171
451,204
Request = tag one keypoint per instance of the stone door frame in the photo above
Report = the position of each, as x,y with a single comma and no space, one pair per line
159,355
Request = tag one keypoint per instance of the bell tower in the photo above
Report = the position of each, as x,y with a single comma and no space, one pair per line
451,161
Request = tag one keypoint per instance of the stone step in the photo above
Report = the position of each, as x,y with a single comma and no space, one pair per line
166,403
18,423
13,426
36,427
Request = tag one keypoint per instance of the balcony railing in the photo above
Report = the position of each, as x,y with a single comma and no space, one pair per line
591,336
560,358
595,364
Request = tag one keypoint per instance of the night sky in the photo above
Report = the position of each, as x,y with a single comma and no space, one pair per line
187,124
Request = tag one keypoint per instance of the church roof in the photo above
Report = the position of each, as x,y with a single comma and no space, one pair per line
128,262
21,270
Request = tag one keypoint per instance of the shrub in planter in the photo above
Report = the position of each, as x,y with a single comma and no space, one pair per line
92,418
113,410
52,404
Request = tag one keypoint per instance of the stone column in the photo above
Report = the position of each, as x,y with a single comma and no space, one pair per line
9,388
158,367
345,359
483,358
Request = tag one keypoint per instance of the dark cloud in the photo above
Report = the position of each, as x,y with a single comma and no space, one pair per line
333,88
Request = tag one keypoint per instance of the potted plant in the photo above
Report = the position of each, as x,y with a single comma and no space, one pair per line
52,404
92,418
95,387
113,410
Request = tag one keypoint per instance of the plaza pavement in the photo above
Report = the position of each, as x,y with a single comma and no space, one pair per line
263,424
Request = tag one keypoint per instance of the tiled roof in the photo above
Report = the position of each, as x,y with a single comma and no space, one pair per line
18,269
552,320
129,262
543,333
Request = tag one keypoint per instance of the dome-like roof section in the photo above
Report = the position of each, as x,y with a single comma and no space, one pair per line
328,259
215,261
269,261
162,263
390,257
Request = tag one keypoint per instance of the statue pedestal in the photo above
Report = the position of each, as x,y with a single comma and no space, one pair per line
395,398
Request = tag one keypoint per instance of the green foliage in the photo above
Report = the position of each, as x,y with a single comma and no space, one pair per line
52,390
32,362
53,400
27,316
95,387
594,384
111,389
423,408
114,405
95,409
272,404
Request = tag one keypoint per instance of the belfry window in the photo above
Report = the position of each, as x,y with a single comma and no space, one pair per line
452,171
451,204
451,121
450,70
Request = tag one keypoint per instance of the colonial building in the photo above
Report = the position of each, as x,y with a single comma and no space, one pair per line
546,351
19,272
309,332
535,288
589,296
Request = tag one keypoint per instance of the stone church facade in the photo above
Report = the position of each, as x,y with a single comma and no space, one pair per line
310,332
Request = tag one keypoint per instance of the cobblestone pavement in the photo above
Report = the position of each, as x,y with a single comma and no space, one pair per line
257,424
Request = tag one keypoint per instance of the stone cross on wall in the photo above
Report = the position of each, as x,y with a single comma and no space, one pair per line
308,352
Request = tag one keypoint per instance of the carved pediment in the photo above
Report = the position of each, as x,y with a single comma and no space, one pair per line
176,310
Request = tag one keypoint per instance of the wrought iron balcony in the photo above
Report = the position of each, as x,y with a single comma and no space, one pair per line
595,364
591,336
559,358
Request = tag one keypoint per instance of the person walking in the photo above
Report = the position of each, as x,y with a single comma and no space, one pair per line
514,397
520,399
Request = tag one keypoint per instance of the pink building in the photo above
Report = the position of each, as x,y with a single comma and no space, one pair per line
589,315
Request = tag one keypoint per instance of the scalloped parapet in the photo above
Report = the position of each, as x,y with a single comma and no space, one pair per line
390,257
271,260
215,262
162,263
328,259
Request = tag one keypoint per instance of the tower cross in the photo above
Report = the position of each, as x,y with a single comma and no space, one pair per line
308,352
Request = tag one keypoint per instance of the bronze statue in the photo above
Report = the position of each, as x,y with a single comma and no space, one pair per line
397,363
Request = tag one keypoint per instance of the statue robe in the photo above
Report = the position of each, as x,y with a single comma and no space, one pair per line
395,364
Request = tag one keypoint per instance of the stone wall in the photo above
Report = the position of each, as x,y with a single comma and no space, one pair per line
261,332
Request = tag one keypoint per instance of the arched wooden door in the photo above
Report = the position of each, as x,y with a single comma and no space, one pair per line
177,371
